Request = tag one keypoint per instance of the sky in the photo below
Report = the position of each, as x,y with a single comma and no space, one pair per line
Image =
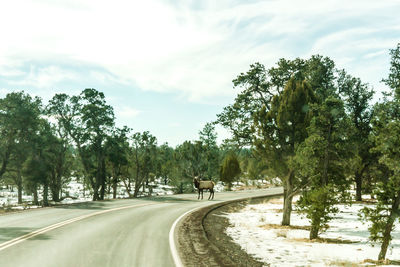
166,66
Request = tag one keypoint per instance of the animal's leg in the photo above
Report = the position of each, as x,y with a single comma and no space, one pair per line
211,194
199,194
202,194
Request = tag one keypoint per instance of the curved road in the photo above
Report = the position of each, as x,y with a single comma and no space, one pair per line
130,232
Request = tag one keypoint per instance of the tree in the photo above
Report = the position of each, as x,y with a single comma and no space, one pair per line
19,115
143,157
280,130
19,120
256,169
386,127
321,160
256,92
189,162
117,147
165,162
208,139
230,169
357,97
88,120
262,90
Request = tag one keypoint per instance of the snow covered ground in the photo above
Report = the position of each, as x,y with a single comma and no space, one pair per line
76,193
256,229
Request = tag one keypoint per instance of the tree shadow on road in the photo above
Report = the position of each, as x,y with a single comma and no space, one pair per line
168,199
83,205
9,233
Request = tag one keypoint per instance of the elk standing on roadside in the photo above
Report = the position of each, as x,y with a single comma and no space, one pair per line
201,185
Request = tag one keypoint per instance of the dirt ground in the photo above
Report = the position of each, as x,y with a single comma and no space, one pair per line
202,240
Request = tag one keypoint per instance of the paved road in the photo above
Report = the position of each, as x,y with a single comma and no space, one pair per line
130,232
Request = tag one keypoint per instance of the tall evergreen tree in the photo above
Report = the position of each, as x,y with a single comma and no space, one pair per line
322,162
387,145
280,130
230,169
88,120
357,96
208,139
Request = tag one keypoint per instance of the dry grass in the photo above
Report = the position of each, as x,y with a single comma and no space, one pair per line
276,201
382,262
284,229
343,263
287,227
324,240
282,233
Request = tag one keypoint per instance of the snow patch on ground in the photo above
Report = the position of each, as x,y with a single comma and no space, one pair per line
251,229
75,192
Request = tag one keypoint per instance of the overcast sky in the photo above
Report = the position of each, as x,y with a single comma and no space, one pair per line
166,65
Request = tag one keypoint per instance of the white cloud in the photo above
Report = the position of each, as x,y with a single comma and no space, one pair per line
177,47
126,112
46,77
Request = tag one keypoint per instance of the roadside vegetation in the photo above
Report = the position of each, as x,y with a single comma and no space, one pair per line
303,124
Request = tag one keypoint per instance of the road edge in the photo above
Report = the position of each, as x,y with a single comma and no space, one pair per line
172,244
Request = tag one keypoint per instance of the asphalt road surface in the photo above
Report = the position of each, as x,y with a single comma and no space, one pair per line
129,232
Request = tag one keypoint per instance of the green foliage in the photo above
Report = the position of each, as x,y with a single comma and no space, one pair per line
189,161
283,127
19,119
387,146
143,159
318,204
208,139
165,162
321,161
230,169
393,80
87,120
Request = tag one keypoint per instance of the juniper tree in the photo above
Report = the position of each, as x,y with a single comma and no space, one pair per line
88,120
357,96
280,130
321,161
386,128
230,169
262,90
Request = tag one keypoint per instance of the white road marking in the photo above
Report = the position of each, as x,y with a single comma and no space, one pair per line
174,251
57,225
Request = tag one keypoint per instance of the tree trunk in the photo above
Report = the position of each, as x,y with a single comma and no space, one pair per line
45,195
19,186
358,178
55,194
389,227
96,194
35,197
55,187
136,191
316,218
6,158
287,199
115,189
314,230
128,188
